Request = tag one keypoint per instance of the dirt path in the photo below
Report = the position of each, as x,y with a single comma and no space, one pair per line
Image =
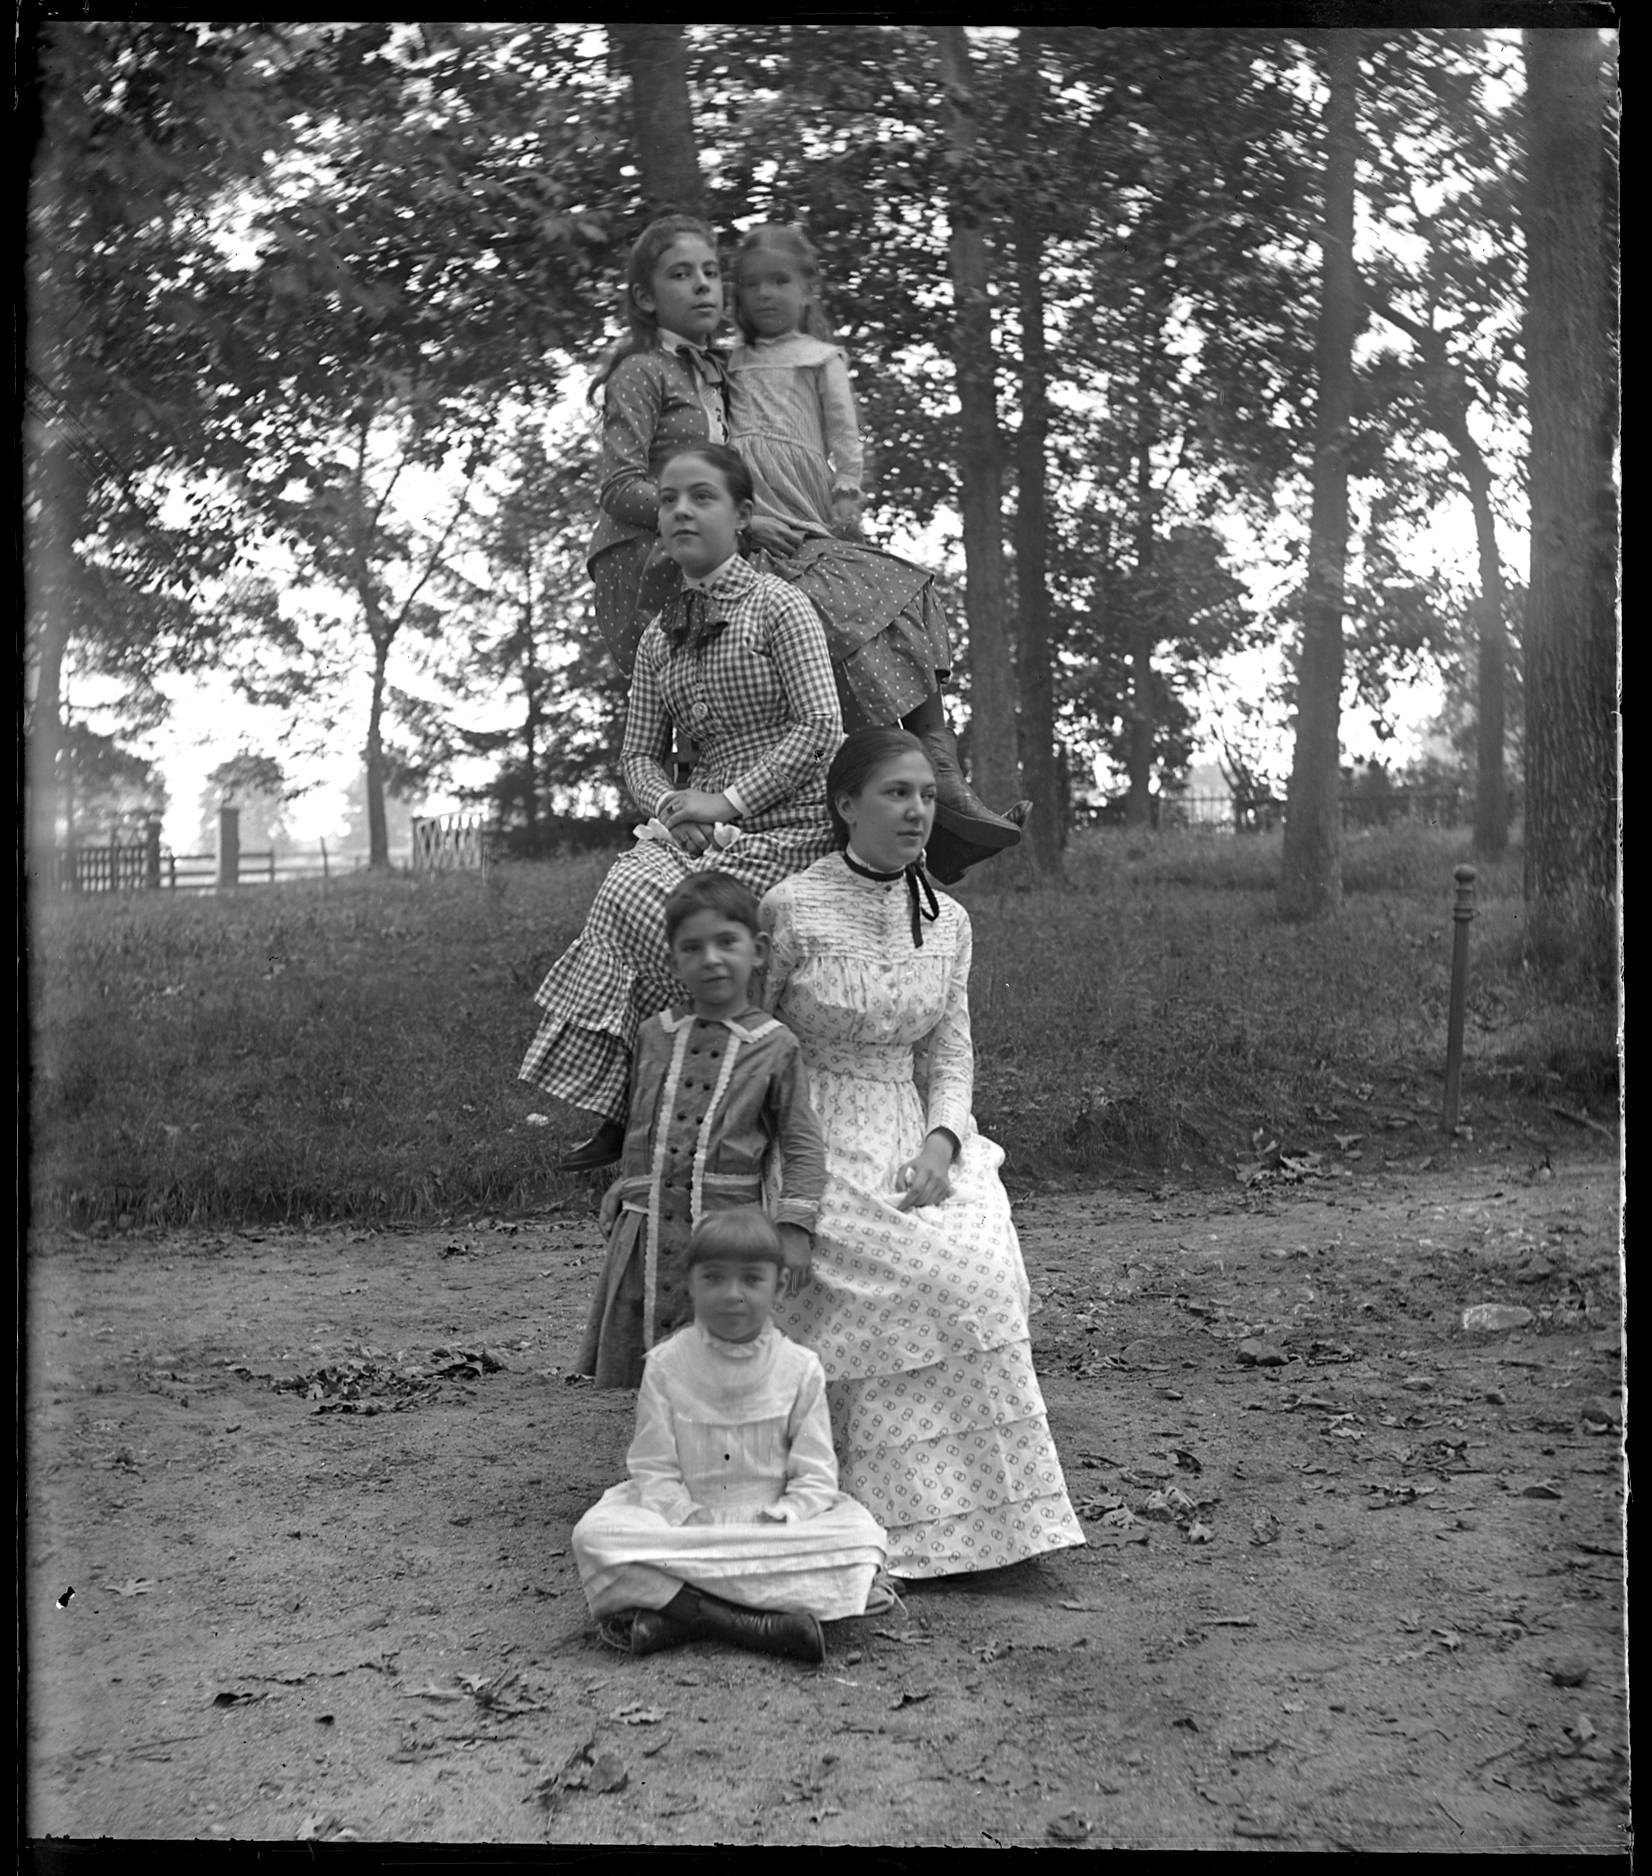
1397,1626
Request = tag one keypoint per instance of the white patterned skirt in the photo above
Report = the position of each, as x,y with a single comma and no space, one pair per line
629,1557
920,1321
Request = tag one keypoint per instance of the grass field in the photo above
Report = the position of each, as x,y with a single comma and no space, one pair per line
305,1053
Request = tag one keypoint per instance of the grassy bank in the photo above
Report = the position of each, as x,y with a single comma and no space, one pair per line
294,1052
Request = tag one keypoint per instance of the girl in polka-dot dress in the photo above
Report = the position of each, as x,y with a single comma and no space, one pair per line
788,389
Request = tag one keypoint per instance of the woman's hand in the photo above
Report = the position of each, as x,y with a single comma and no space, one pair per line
779,537
693,837
797,1247
927,1177
694,804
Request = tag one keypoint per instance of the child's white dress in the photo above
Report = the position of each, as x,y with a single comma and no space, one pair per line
733,1488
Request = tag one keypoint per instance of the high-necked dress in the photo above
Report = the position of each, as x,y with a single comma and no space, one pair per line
787,406
919,1317
755,688
733,1488
717,1107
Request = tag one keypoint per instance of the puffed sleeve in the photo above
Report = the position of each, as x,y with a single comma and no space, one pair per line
774,916
652,1459
811,1465
842,426
797,641
801,1144
948,1045
632,403
647,745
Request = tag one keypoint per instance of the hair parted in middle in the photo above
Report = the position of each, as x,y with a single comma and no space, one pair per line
793,245
642,329
724,458
858,759
711,891
743,1234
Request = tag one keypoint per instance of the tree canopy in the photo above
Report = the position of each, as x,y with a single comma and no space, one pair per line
309,304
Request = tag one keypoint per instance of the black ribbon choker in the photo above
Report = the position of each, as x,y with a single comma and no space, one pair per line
917,883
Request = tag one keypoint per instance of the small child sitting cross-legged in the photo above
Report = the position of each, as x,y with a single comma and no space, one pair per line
731,1526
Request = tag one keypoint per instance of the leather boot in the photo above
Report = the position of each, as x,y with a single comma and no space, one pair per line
699,1617
602,1149
948,855
958,809
652,1630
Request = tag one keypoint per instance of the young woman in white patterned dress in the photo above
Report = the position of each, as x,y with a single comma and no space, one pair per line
918,1301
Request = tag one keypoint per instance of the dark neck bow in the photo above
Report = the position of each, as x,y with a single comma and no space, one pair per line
917,886
704,363
688,621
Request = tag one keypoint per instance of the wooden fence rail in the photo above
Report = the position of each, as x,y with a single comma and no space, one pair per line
132,866
452,843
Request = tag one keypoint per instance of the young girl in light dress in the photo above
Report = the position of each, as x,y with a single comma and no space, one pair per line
731,1526
667,384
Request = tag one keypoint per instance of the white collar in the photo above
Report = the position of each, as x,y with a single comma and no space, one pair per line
675,342
708,580
737,1351
673,1020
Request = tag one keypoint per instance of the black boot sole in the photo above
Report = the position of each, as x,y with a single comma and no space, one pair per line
992,836
602,1149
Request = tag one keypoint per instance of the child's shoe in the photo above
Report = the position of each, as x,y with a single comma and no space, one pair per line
692,1615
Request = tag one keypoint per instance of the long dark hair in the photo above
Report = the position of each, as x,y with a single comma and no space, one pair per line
792,245
858,760
642,328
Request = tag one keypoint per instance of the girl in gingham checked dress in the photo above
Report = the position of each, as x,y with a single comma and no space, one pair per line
664,385
740,659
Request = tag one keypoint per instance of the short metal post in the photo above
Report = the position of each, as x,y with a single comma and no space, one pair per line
1461,913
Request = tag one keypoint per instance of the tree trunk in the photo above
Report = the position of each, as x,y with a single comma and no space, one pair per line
1034,668
1571,836
655,60
54,576
1310,884
992,675
530,684
1138,807
1491,790
378,827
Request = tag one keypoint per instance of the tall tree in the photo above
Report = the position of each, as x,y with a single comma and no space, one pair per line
654,59
427,257
1311,872
1571,843
1444,158
995,759
1034,653
145,130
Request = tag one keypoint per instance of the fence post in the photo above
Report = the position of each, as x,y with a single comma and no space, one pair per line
229,847
1461,913
152,856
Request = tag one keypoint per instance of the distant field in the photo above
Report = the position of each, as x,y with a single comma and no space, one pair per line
294,1052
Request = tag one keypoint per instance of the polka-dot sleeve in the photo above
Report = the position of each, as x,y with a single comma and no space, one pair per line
633,402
